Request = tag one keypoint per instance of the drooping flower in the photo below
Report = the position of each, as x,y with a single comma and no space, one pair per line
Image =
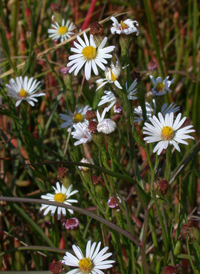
112,203
81,133
150,111
166,131
61,195
92,263
124,27
131,90
24,90
108,98
73,118
63,32
88,54
112,74
84,168
105,126
71,223
161,87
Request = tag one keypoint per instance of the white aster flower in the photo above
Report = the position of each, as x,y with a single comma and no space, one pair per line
73,118
61,195
63,32
131,90
87,53
105,126
24,90
112,73
150,111
166,131
81,133
161,87
93,261
124,27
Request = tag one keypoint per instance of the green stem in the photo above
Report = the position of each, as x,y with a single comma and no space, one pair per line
144,237
168,164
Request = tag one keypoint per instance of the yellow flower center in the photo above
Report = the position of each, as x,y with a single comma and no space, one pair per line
167,133
110,76
160,86
89,52
124,26
62,30
85,265
23,93
78,118
59,197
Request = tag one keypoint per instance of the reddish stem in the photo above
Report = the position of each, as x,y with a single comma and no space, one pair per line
89,15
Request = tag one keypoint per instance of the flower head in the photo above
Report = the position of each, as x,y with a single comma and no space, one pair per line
63,32
112,74
105,126
71,223
91,263
89,54
84,168
61,195
124,27
24,90
166,131
112,203
150,111
161,87
73,118
81,133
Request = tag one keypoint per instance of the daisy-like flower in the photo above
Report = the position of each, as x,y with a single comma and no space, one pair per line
24,90
87,53
124,27
150,111
161,87
73,118
112,73
131,90
166,131
112,203
92,263
63,32
82,134
105,126
61,195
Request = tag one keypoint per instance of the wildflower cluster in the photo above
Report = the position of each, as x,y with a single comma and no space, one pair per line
109,118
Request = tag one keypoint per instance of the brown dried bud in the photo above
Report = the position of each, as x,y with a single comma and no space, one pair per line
96,28
93,126
152,65
90,114
136,75
62,172
171,270
96,179
163,186
55,7
56,267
